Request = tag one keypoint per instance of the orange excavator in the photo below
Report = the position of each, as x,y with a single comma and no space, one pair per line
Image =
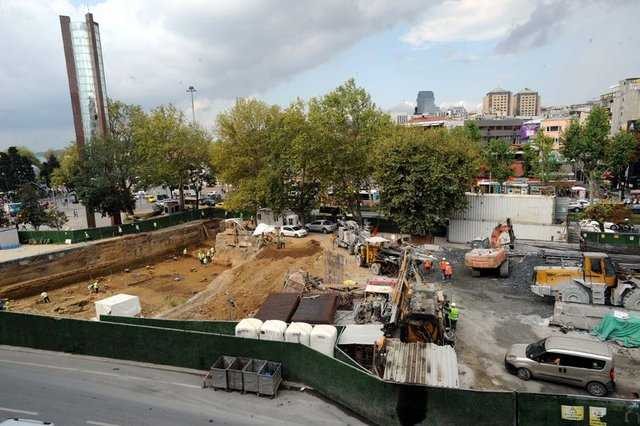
491,254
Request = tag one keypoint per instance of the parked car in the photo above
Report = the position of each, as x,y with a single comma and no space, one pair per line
210,200
573,361
293,231
323,225
578,205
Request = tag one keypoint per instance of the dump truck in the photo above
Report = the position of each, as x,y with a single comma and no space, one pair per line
490,254
594,280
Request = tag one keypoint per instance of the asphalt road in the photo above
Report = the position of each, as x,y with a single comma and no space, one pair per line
78,390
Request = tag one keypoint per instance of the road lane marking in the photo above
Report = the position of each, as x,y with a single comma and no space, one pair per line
92,422
11,410
98,373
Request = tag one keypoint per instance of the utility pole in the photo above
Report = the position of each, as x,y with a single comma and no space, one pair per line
192,90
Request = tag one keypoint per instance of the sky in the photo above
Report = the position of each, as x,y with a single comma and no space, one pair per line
570,51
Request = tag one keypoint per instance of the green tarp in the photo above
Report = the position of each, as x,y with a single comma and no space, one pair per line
623,331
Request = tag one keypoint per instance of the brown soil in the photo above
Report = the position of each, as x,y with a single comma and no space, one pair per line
240,291
160,286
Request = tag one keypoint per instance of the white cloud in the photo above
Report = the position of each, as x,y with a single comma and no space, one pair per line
469,20
153,50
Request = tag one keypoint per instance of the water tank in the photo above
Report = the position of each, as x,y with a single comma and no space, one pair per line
249,327
323,339
273,330
299,332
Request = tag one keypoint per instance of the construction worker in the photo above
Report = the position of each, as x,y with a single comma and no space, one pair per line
427,265
443,266
448,271
4,305
44,297
453,315
94,287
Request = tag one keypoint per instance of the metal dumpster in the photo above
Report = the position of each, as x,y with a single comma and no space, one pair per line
250,375
269,378
217,376
234,373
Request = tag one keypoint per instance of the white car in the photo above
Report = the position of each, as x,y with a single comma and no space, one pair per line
578,205
293,231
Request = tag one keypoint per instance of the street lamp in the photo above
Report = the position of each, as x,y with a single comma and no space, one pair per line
192,90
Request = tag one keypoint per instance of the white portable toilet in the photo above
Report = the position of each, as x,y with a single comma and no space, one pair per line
273,330
299,332
249,328
323,339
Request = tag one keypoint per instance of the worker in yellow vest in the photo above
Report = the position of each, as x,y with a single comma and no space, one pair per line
453,315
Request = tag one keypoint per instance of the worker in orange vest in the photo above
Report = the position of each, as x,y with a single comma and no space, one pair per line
443,266
448,271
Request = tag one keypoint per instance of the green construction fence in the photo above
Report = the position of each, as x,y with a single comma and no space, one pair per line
92,234
630,240
378,401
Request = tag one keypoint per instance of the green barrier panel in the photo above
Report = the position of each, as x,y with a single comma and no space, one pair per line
216,327
545,409
92,234
378,401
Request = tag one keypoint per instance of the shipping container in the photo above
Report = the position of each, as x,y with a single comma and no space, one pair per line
465,231
538,209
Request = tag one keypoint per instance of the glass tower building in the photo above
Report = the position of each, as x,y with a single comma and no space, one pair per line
83,55
87,86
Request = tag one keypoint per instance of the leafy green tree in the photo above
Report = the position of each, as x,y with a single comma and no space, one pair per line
620,153
423,176
472,131
15,170
31,211
605,211
48,167
171,150
56,218
28,154
242,155
498,157
349,124
541,157
63,175
586,145
4,220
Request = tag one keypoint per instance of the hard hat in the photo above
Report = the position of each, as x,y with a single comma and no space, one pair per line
43,294
444,258
453,304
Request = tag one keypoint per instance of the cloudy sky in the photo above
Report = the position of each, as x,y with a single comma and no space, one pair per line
277,50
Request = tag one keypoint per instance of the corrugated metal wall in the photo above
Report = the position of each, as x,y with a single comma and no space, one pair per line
464,231
497,207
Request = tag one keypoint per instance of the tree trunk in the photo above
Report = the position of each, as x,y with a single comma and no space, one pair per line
593,189
116,219
181,192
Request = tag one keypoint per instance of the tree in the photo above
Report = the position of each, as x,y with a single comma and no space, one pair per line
349,124
102,178
620,153
171,150
243,153
541,157
105,170
56,219
31,211
15,170
4,220
48,167
586,145
498,157
64,174
29,155
607,212
423,176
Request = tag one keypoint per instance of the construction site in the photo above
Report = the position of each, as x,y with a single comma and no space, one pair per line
387,295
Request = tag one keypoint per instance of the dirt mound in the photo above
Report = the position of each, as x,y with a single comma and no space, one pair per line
308,248
240,291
